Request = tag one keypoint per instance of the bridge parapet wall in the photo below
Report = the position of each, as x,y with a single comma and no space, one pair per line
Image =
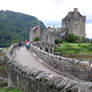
33,80
45,46
69,67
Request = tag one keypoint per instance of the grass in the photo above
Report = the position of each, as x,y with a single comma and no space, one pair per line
2,51
74,49
9,90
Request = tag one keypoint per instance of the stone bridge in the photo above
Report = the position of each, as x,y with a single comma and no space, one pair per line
45,46
37,70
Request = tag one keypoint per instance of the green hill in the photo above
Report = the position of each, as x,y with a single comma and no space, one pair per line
15,26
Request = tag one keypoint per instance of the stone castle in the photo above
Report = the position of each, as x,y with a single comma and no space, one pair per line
74,23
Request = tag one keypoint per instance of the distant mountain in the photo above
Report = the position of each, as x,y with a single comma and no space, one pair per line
15,27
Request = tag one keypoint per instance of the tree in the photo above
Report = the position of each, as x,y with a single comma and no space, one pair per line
83,39
36,39
91,41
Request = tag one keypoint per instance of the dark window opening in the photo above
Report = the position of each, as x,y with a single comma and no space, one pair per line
76,26
69,91
50,50
43,45
46,50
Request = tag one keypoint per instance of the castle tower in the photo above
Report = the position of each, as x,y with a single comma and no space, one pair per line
35,32
74,23
75,11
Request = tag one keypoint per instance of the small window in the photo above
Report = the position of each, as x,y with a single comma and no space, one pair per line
76,26
50,50
46,50
69,91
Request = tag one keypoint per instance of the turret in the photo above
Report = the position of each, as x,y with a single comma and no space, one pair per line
75,11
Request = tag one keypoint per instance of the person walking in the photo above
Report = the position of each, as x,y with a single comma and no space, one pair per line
19,44
26,41
27,45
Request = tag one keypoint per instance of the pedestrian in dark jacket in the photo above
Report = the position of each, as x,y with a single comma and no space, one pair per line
19,44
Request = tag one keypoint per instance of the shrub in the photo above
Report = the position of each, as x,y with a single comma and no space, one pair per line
84,46
57,50
83,39
57,41
36,39
90,47
71,38
91,41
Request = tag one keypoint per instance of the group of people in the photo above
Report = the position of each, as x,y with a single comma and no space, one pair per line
27,44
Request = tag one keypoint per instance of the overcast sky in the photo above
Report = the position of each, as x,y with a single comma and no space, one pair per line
51,12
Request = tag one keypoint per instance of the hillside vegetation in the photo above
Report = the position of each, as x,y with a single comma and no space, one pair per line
15,26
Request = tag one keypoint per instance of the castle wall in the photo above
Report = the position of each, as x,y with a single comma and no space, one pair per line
49,35
77,27
45,36
35,32
82,28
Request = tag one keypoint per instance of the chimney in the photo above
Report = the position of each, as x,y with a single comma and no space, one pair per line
75,11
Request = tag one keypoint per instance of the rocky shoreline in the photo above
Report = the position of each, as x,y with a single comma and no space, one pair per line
80,57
